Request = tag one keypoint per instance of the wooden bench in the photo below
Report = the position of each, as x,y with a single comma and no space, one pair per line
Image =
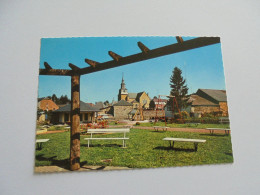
211,130
39,142
195,141
156,128
100,131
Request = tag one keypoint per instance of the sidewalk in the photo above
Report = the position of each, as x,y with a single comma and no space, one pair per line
52,169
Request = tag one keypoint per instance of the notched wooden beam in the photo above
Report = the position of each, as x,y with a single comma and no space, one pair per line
91,62
114,55
143,47
47,66
179,39
57,72
73,67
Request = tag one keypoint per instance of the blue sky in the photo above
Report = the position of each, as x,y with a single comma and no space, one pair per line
202,67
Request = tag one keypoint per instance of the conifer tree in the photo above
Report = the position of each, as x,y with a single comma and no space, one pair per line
179,89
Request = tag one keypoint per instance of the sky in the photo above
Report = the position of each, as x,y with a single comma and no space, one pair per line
202,67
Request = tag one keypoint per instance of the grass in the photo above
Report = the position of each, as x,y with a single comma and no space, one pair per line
144,149
200,126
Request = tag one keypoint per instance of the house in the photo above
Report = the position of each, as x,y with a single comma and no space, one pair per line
158,104
208,101
87,113
47,104
122,110
137,99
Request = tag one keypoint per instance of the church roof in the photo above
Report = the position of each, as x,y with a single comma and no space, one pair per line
139,95
123,103
132,95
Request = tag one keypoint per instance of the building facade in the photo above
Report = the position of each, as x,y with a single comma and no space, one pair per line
140,99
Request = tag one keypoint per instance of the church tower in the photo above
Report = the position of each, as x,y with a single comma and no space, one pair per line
123,91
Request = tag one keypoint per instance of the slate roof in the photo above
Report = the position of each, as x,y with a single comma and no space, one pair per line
217,95
99,105
200,101
132,95
139,95
83,108
123,103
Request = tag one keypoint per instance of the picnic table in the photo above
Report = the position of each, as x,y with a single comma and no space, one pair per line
195,141
39,142
211,130
164,128
99,131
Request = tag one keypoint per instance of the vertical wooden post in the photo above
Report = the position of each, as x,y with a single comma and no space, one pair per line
75,122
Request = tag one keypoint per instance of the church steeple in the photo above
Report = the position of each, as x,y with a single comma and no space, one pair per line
122,91
123,84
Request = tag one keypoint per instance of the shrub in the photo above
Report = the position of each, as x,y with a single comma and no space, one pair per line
137,123
185,114
204,120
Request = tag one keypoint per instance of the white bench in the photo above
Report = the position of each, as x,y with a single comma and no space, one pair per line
211,130
195,141
156,128
98,131
39,142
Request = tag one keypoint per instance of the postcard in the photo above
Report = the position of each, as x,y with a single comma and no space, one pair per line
117,103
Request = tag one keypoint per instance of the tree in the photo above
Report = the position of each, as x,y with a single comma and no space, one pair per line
64,99
152,104
54,98
179,89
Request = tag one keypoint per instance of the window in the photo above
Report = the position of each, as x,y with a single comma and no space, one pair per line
66,117
81,117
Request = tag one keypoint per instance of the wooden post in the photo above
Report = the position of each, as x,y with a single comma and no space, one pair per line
75,122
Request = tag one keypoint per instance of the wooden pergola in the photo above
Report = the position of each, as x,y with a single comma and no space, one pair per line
75,72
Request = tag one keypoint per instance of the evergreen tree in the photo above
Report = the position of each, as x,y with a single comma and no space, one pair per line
179,89
54,98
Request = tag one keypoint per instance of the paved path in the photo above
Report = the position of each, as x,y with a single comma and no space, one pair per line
181,129
52,169
49,132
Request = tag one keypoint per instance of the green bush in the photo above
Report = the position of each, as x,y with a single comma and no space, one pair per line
185,114
204,120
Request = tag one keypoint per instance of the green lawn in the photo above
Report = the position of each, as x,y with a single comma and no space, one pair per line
200,126
144,149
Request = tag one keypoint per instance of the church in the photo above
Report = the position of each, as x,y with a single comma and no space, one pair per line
140,99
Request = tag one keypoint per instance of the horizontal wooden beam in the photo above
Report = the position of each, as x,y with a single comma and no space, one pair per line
57,72
154,53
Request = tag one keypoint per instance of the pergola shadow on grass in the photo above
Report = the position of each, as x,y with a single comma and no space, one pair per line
53,161
75,72
145,149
